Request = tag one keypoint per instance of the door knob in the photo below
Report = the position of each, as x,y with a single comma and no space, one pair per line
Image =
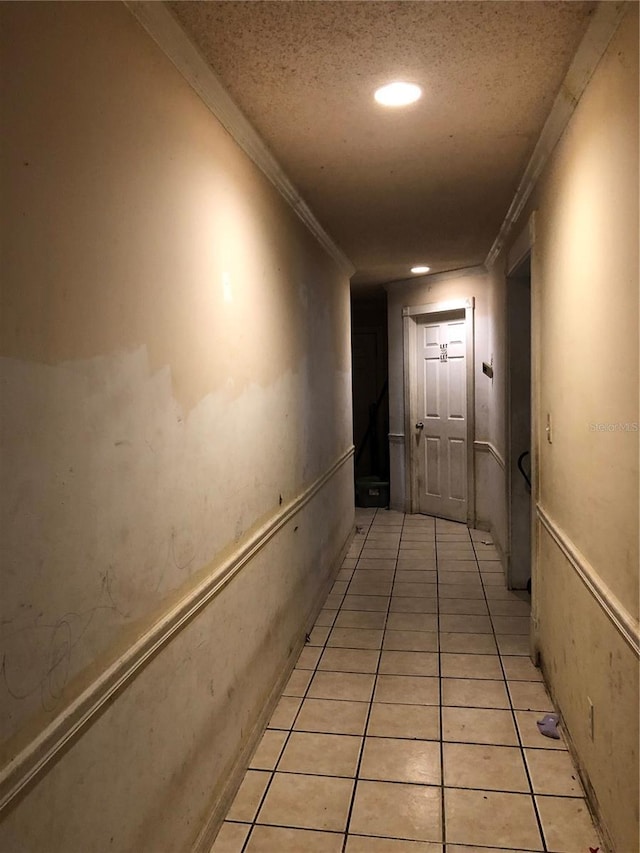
419,425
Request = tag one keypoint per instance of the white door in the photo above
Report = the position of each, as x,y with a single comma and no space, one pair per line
441,421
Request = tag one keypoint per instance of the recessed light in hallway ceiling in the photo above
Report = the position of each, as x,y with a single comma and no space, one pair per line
489,75
398,94
419,270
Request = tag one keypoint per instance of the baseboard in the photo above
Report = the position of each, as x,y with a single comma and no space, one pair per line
590,794
40,753
620,620
208,834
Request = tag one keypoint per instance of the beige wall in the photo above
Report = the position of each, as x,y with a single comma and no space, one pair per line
585,294
586,263
176,378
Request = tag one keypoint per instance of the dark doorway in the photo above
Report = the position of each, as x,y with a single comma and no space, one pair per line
370,385
519,424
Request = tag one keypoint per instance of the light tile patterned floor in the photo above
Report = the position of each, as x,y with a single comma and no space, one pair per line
409,723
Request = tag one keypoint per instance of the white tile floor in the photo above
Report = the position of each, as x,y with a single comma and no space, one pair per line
409,723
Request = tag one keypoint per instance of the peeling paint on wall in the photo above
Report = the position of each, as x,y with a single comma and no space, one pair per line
175,372
114,498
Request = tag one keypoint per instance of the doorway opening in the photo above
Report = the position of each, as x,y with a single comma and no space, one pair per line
519,425
370,384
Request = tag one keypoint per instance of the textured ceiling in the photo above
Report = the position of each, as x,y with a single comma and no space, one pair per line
429,183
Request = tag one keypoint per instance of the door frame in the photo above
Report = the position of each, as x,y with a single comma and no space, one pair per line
525,244
411,316
514,295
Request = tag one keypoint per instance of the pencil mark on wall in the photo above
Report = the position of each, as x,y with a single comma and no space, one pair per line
36,657
181,566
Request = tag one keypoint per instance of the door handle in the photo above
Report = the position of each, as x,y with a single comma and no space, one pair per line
419,425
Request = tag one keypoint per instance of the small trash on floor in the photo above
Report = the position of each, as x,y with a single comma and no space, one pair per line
486,542
548,726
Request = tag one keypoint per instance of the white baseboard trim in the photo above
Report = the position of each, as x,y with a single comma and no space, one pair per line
33,760
207,836
487,447
576,755
620,617
165,30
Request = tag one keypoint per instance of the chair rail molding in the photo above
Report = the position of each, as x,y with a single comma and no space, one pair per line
626,624
488,447
42,750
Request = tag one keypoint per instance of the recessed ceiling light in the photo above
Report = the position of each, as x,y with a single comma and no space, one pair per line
418,270
397,94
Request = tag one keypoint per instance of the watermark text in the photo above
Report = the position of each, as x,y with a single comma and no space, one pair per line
615,427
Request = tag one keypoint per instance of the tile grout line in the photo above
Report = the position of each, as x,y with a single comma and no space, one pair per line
513,715
290,730
315,669
443,828
571,797
441,677
375,683
361,750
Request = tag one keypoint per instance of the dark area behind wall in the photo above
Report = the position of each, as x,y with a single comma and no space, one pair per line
370,385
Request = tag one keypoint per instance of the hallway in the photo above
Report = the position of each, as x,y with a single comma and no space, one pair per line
418,662
205,206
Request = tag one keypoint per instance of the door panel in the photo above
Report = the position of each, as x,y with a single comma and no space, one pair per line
457,469
457,389
431,336
441,397
432,466
431,383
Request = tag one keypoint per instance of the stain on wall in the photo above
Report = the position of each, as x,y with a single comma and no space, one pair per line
585,289
175,372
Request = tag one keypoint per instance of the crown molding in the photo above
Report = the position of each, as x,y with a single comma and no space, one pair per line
165,30
606,20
